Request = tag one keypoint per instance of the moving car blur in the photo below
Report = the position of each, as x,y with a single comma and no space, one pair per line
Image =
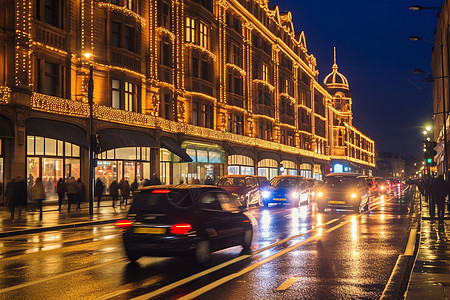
344,191
286,189
243,188
179,220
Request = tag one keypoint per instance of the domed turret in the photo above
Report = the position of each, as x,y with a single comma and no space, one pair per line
336,80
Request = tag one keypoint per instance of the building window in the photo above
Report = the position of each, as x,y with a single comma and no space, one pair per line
265,73
130,38
130,5
115,34
195,114
166,107
51,79
203,35
206,70
50,12
195,67
202,115
128,96
236,123
165,15
115,93
190,30
166,54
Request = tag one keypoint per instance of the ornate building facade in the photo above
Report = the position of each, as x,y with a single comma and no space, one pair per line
188,89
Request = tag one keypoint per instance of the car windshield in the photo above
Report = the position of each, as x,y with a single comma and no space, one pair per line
231,181
163,200
284,182
341,181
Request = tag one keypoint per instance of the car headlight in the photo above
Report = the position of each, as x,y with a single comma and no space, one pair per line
295,195
265,194
319,194
353,196
382,188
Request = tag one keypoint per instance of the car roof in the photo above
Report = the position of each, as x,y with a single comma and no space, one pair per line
289,176
344,174
237,176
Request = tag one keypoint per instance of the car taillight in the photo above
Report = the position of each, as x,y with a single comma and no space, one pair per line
161,191
180,228
124,224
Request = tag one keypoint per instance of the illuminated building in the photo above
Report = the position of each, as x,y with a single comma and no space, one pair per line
227,84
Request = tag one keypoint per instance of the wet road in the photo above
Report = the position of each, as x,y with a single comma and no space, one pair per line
297,253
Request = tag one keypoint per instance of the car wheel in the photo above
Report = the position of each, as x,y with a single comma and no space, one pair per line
247,240
202,252
132,256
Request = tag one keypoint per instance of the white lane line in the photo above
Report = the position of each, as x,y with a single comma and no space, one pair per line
26,284
230,277
191,278
288,283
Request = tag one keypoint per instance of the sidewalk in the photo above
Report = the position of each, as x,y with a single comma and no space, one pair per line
430,277
53,219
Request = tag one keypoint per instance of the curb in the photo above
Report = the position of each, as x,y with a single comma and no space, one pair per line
71,225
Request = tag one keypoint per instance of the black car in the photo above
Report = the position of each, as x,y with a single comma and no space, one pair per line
179,220
343,191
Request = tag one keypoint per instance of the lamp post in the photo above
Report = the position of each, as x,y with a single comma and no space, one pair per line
431,79
91,136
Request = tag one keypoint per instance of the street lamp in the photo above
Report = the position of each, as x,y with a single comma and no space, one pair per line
91,136
431,79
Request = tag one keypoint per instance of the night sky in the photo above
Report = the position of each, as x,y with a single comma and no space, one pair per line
391,105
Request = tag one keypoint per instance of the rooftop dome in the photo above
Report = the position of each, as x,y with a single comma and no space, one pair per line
335,80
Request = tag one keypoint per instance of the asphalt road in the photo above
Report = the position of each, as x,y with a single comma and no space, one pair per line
297,254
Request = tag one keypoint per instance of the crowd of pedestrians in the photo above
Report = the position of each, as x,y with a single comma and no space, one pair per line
18,192
437,193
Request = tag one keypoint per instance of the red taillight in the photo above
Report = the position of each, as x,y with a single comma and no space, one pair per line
180,228
161,191
124,224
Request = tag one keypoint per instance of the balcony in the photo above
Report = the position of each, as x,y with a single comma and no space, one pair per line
49,35
198,85
126,59
265,110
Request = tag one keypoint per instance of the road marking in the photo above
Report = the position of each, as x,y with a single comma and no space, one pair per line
26,284
288,283
230,277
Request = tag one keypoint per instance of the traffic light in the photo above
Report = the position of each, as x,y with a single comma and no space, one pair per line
429,152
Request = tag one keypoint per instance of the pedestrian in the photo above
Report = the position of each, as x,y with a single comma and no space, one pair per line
9,194
38,194
20,195
196,181
98,190
125,192
146,182
439,189
209,180
154,179
72,188
81,195
114,192
60,191
120,192
134,186
426,183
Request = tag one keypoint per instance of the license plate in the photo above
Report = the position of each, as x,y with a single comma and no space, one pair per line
150,230
279,199
336,202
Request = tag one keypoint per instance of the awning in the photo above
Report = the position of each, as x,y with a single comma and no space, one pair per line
112,138
268,155
172,146
57,130
234,150
6,130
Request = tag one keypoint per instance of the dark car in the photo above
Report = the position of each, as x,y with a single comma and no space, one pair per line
243,188
180,220
343,191
382,185
262,181
285,189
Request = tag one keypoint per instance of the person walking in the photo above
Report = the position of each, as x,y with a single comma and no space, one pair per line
125,192
72,188
61,192
114,192
98,190
81,195
439,189
38,194
134,186
9,194
20,195
120,192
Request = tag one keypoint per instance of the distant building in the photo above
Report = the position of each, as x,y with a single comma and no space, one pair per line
391,166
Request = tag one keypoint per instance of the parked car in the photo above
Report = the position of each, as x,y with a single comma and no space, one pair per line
243,188
262,181
312,185
179,220
344,191
286,189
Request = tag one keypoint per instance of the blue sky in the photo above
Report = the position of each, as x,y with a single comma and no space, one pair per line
390,103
